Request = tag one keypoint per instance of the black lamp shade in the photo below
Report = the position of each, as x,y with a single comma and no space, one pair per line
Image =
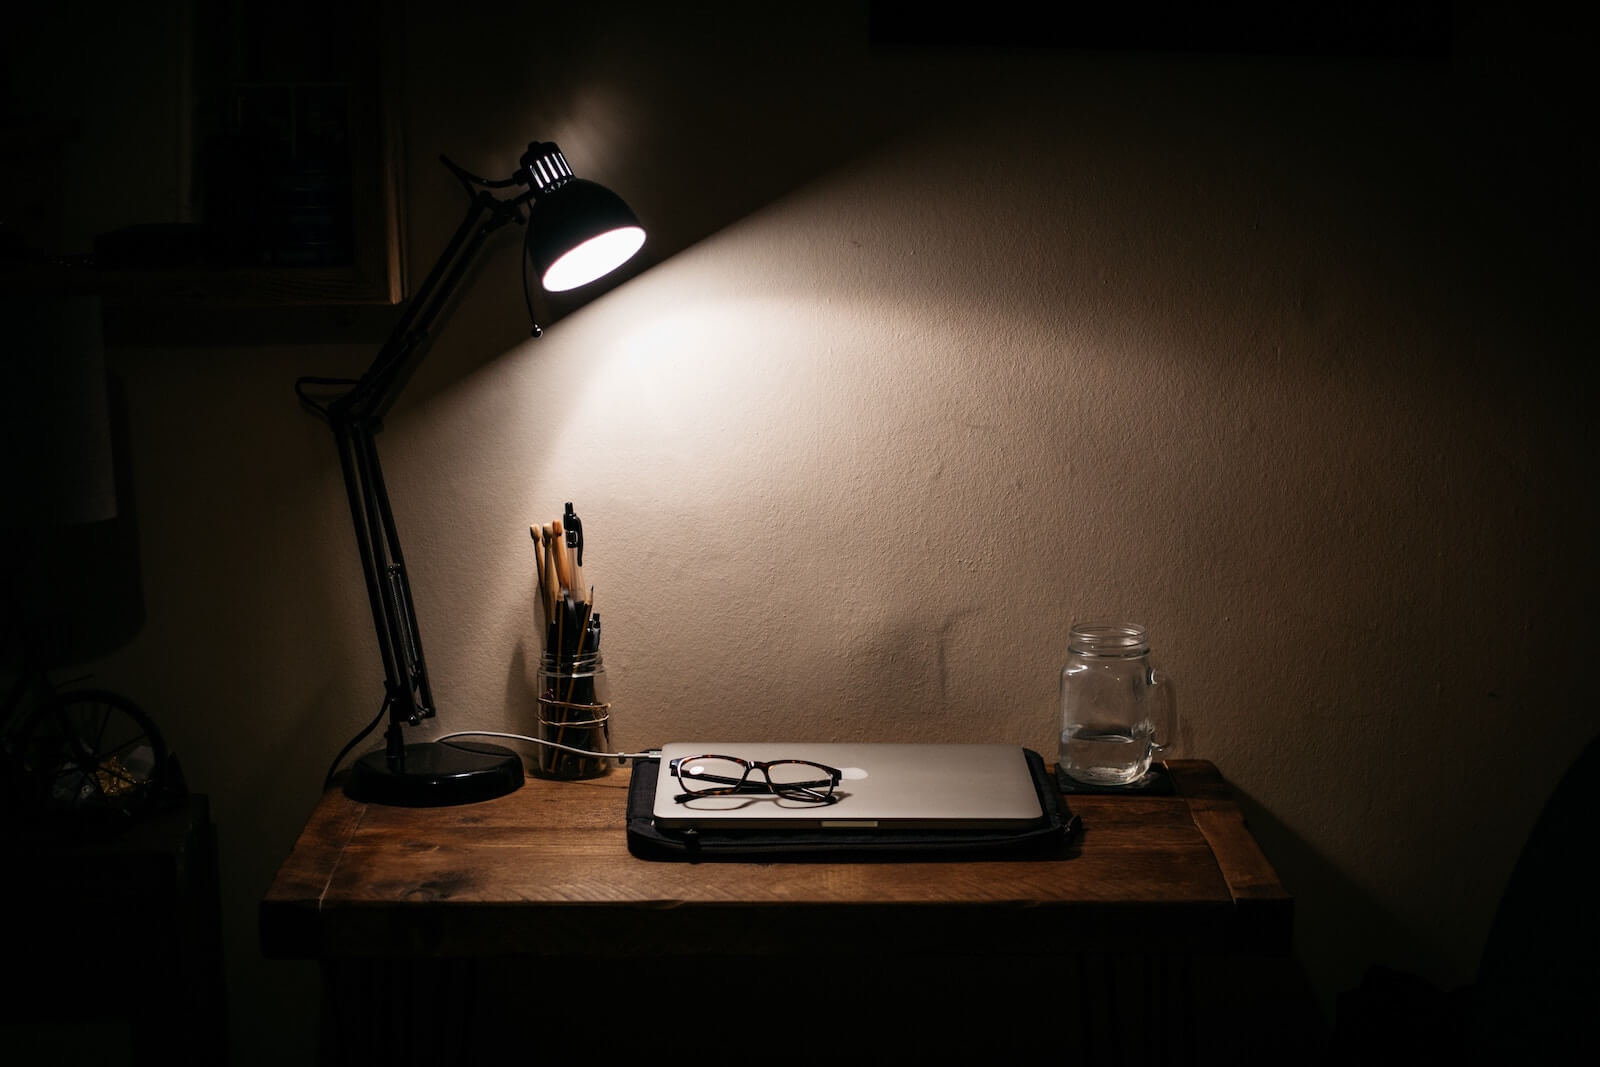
55,428
579,231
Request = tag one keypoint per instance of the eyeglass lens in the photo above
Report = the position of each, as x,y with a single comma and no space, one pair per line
707,775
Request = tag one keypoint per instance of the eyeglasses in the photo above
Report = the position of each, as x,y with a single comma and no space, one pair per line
720,776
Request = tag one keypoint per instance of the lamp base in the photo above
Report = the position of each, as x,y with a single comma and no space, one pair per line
437,774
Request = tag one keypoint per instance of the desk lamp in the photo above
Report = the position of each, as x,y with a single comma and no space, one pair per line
575,231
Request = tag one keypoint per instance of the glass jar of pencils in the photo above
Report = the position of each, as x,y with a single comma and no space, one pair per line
574,717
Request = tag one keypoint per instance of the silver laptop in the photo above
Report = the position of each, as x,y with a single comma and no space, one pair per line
880,786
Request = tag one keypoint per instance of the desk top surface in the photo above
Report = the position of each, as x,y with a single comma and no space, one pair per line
547,871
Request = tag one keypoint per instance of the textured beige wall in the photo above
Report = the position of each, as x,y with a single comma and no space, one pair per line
937,354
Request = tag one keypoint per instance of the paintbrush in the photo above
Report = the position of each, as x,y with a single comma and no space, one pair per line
563,559
538,562
552,580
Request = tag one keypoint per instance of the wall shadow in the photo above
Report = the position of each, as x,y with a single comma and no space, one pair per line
1340,930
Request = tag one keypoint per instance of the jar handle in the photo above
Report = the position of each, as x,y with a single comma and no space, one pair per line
1165,721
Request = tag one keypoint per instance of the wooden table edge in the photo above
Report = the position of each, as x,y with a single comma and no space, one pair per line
290,914
1264,906
287,916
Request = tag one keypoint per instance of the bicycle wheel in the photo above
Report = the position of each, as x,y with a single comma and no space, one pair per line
94,752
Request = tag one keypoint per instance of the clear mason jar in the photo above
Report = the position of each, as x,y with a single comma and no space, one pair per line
1118,712
575,712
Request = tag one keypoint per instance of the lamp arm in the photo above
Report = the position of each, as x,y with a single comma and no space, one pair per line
356,416
407,694
382,382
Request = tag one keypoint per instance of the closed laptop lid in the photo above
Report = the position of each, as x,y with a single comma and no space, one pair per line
882,785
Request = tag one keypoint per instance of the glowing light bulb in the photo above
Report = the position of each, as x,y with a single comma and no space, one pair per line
594,258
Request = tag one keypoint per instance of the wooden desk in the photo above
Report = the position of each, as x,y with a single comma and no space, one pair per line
528,914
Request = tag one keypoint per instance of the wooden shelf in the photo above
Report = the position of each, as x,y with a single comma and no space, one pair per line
270,137
124,927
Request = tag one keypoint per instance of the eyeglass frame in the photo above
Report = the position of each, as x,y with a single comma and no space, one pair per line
798,791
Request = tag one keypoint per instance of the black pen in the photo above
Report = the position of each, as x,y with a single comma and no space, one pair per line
573,528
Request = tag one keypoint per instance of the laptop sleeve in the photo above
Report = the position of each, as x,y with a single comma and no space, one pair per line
1051,832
